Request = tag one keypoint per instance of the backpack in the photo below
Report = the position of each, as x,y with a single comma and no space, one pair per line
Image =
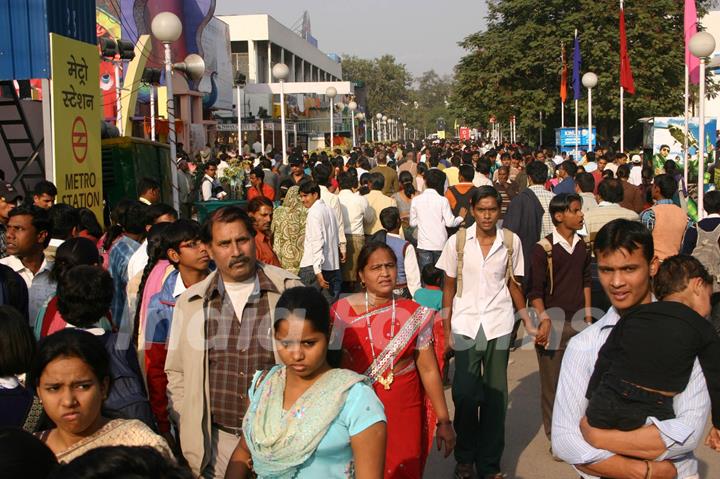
547,247
707,251
460,238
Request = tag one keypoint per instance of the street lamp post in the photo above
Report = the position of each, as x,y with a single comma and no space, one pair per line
384,128
589,81
239,84
379,130
281,72
702,45
331,92
352,106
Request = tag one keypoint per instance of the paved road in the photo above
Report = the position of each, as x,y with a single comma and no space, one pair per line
526,451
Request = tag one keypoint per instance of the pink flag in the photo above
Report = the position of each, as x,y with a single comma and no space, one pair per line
692,62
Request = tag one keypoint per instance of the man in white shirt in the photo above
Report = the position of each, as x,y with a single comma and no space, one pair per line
210,184
584,186
478,322
257,147
321,175
27,237
610,193
636,171
357,214
320,263
430,212
626,263
482,173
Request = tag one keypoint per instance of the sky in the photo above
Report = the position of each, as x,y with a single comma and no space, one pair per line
422,34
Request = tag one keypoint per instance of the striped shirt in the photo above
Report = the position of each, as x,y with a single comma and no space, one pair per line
680,435
544,196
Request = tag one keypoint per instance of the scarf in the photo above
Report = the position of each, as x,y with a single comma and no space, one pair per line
281,441
288,229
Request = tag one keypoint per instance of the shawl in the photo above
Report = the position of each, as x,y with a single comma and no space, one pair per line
288,228
118,432
281,441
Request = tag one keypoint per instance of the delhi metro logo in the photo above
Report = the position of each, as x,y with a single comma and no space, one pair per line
79,139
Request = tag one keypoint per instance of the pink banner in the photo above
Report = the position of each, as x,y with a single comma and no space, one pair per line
692,62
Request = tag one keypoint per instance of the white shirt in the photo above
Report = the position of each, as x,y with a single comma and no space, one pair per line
431,213
360,172
320,248
481,180
257,147
485,297
180,287
412,269
612,167
557,238
635,175
207,187
681,434
356,212
17,265
332,201
239,293
138,260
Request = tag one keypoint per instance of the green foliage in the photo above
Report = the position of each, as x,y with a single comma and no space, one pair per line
393,91
513,68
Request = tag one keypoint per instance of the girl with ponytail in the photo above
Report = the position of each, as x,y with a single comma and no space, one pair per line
404,198
157,268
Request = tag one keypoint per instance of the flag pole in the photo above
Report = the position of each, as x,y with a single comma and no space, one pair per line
562,113
577,133
622,107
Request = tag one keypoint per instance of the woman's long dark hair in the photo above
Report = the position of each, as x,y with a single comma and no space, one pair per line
117,217
157,250
406,180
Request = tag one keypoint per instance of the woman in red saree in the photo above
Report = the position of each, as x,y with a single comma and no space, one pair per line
390,340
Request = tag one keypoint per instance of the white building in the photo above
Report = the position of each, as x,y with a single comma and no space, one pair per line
259,41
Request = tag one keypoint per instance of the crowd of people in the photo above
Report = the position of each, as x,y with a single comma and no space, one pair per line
309,331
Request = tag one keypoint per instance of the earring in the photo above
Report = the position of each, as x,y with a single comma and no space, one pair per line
362,284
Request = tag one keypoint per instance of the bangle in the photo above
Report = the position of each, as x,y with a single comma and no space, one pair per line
443,423
648,472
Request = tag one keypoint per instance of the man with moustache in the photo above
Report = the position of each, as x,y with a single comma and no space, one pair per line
662,449
221,335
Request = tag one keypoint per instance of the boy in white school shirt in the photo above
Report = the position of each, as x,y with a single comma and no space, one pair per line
478,322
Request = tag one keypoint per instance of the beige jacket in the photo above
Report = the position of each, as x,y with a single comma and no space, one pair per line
187,363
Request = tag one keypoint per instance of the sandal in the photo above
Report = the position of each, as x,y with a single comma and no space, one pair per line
464,471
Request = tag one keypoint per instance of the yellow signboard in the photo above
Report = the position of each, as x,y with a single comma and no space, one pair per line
76,115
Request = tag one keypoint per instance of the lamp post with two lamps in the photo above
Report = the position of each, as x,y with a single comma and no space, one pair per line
379,129
167,28
702,45
281,72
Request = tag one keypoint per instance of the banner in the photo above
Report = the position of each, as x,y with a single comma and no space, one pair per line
76,114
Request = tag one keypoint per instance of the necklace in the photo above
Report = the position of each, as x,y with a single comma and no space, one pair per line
387,380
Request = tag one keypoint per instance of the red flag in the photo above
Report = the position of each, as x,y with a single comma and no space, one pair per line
626,76
563,78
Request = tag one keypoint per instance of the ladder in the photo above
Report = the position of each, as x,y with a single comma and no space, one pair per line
22,150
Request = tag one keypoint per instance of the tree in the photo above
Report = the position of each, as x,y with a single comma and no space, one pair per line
513,67
387,82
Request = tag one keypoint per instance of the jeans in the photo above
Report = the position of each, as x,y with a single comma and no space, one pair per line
425,257
334,278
